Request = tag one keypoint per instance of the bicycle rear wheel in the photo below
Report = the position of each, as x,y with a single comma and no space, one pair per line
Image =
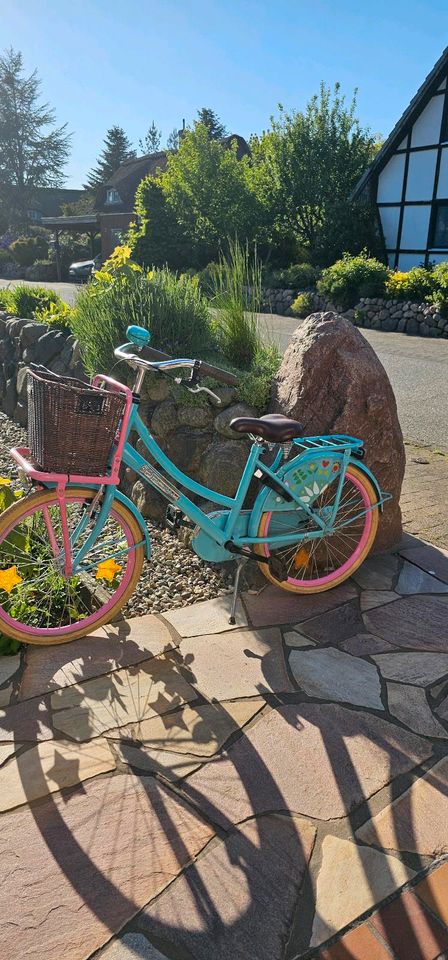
38,603
315,564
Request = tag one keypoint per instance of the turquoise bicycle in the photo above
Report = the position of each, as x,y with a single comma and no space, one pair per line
71,552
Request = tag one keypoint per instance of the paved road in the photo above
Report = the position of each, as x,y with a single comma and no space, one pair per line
418,370
67,291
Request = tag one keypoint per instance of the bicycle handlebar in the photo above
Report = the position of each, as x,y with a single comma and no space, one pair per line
163,361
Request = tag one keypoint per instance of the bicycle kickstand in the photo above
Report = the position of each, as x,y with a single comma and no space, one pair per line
240,563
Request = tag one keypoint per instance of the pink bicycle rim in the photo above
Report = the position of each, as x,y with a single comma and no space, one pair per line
99,614
321,581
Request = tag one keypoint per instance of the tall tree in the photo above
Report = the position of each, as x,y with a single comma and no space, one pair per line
33,151
206,187
305,167
210,119
173,140
117,149
152,140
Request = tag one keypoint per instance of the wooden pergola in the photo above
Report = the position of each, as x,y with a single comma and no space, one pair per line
89,223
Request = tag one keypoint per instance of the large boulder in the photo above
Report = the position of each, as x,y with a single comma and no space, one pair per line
332,381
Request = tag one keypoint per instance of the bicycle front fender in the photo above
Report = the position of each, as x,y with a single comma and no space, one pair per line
132,508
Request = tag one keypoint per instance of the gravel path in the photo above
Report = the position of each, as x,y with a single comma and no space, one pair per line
175,577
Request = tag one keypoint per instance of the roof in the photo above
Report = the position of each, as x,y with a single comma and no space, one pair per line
49,200
80,223
126,180
409,116
130,173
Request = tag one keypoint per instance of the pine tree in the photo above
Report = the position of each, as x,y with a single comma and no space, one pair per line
117,149
173,140
210,119
152,140
33,151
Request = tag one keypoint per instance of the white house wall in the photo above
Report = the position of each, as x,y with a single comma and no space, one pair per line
412,184
426,129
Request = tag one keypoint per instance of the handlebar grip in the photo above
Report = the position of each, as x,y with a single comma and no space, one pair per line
206,369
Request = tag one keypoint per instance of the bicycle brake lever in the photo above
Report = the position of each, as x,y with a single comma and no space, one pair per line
205,390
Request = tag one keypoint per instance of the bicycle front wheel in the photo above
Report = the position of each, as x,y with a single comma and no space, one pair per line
314,564
39,603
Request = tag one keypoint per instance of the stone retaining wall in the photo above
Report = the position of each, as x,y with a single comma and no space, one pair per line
193,432
417,319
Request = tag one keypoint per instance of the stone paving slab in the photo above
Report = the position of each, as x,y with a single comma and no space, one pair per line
130,947
237,902
30,720
200,730
87,863
414,580
417,822
127,696
171,766
51,766
376,598
419,622
112,647
351,755
345,621
209,616
410,706
333,675
273,607
432,559
350,878
421,669
242,663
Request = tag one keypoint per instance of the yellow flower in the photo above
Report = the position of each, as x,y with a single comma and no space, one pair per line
5,482
107,570
9,579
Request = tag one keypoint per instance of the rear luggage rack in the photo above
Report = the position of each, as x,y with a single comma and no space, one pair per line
336,441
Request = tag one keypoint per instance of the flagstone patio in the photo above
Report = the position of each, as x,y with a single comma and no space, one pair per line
174,788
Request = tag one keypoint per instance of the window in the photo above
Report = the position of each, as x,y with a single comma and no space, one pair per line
440,231
112,196
34,215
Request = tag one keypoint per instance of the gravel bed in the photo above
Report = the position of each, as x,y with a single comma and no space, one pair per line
174,577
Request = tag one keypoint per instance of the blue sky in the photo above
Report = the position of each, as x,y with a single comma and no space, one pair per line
104,62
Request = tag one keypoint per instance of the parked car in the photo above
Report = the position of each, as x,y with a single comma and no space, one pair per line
84,269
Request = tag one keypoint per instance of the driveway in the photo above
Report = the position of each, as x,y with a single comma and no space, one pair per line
418,371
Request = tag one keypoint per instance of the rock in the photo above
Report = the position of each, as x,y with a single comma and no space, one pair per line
10,400
187,447
222,421
412,326
22,383
149,501
21,414
48,346
164,420
223,464
31,332
194,416
332,381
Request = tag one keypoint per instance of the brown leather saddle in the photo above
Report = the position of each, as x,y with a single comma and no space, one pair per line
273,427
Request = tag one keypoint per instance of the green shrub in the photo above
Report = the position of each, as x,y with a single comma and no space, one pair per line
43,270
300,276
207,278
6,300
439,296
414,285
26,250
255,385
172,307
351,278
26,300
5,256
158,240
236,300
56,315
8,496
303,305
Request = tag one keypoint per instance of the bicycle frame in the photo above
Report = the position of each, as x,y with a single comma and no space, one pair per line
210,525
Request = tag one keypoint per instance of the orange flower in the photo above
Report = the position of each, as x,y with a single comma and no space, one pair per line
107,570
9,579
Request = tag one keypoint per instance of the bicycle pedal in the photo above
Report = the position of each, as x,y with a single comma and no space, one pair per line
175,519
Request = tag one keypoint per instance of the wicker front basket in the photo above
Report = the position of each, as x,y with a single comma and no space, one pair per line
71,425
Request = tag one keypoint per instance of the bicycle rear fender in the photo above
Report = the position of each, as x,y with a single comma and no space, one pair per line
133,509
307,475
